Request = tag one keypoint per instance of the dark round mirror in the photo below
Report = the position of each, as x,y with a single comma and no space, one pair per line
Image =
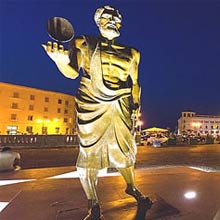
60,29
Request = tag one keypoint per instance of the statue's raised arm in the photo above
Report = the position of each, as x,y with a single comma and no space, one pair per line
61,31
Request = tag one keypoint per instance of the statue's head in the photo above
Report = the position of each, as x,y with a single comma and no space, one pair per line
108,20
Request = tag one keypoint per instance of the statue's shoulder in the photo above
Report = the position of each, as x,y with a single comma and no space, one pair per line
131,50
85,40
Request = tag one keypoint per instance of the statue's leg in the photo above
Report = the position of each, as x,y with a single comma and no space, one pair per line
129,177
89,180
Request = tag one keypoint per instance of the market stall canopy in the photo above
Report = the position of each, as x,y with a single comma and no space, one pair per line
155,129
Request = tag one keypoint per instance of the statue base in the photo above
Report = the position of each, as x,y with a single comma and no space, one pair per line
122,209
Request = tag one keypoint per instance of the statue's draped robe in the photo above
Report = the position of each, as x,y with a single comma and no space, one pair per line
103,119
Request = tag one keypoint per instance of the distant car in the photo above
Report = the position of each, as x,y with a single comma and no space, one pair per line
157,138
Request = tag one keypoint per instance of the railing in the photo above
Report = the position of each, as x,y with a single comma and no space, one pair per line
39,140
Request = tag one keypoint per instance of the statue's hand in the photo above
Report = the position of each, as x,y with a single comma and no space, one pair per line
57,53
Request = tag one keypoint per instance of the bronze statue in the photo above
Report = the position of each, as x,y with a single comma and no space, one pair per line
108,97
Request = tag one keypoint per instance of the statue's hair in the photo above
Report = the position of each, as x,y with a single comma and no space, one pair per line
99,12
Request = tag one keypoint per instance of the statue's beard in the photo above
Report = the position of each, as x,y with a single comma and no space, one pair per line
110,32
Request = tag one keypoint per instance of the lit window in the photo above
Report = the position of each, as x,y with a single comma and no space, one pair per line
46,99
14,105
57,130
30,117
65,120
31,107
32,97
13,116
29,129
16,95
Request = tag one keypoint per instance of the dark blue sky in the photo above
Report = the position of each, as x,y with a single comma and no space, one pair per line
179,43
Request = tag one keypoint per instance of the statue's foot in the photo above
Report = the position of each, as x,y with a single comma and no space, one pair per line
143,201
94,213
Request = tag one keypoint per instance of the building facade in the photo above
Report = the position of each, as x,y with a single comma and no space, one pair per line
192,123
25,110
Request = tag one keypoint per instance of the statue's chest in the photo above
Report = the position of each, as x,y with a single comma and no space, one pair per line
117,59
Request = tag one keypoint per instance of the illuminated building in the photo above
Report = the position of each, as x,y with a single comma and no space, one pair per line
192,123
25,110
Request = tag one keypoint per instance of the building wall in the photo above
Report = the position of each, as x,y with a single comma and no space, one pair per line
190,122
28,110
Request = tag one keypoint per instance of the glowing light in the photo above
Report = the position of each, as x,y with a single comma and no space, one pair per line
3,205
196,124
190,195
39,120
56,119
47,121
139,123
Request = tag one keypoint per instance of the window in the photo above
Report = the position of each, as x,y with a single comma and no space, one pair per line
58,110
206,127
59,101
31,107
44,130
67,130
11,129
188,114
30,117
66,102
46,109
57,130
46,99
212,122
65,111
65,120
13,116
16,95
32,97
184,115
29,129
14,105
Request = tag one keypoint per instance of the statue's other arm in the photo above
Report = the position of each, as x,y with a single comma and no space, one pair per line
61,58
136,90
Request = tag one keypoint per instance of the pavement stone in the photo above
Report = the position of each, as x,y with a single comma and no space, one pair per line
52,194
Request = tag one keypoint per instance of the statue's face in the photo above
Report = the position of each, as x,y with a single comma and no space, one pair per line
109,24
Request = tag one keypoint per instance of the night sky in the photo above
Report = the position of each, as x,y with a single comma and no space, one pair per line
179,42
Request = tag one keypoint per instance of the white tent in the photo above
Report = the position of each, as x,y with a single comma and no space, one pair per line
155,129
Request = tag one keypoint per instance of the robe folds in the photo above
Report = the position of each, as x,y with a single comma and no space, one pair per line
103,119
